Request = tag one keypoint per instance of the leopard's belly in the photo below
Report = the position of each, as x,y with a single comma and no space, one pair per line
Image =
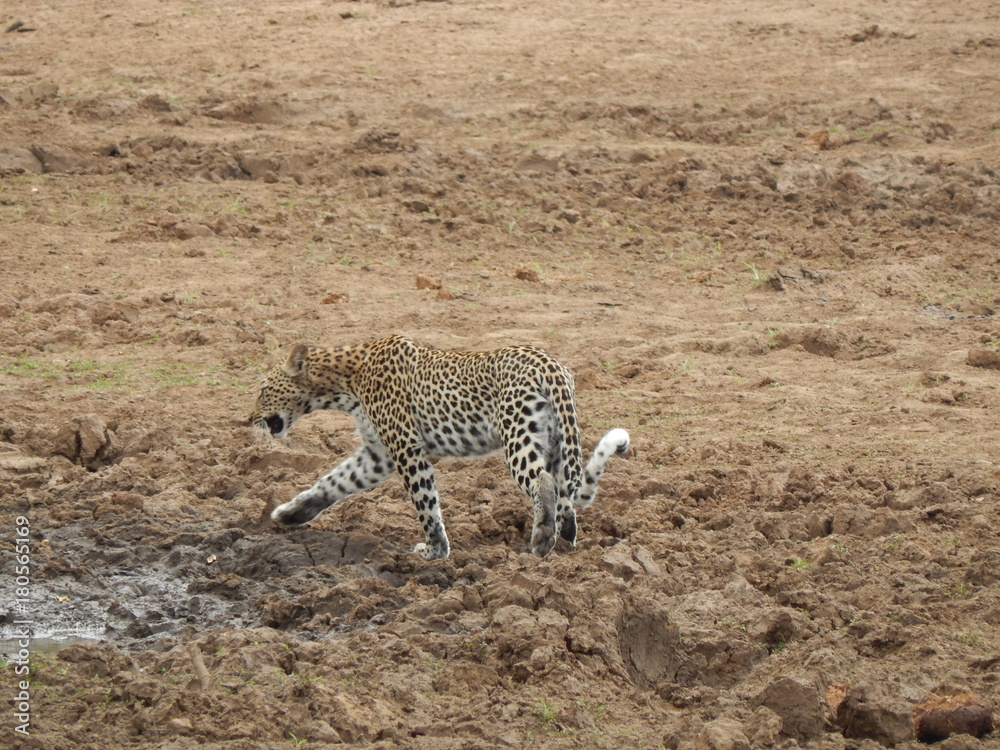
461,436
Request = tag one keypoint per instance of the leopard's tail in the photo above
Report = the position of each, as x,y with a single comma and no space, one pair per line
615,441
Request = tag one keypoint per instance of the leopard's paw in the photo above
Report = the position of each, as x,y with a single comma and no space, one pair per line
432,551
543,539
293,513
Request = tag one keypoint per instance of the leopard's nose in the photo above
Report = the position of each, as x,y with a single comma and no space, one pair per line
275,424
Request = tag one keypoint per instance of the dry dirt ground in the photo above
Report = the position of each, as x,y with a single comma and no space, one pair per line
763,236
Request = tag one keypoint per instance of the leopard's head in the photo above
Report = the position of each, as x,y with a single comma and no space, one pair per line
285,394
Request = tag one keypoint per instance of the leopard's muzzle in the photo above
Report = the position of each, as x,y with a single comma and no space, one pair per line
275,424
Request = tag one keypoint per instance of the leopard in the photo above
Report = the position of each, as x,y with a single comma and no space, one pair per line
412,403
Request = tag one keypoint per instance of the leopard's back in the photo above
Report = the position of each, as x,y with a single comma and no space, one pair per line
463,403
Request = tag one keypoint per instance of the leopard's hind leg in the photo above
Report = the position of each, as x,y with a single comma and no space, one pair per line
526,431
559,467
544,528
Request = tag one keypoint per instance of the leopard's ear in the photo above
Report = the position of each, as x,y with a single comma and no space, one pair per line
296,361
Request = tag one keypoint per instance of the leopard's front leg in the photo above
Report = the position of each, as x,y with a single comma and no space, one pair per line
418,476
366,468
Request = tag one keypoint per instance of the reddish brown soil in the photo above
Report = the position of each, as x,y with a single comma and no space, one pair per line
764,237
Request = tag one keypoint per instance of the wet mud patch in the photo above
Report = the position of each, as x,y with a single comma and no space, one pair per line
132,579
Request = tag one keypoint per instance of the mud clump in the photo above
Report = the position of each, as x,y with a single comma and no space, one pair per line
649,643
799,702
941,717
984,358
868,711
86,440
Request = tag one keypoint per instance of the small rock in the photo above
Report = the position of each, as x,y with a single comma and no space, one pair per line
722,734
524,273
618,561
940,717
334,297
645,558
428,282
417,206
870,712
180,725
87,441
799,702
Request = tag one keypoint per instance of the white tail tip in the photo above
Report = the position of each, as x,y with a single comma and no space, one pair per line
616,440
